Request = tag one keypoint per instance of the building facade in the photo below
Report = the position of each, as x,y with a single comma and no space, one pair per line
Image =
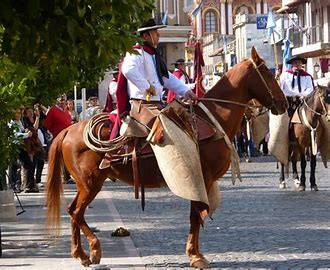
310,33
228,29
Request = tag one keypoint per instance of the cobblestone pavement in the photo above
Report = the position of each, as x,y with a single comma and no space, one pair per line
258,226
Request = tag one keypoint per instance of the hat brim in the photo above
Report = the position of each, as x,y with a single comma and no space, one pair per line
290,61
179,63
142,29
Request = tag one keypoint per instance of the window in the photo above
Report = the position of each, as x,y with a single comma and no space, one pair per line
210,22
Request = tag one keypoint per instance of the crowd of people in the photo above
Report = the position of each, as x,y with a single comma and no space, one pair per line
34,129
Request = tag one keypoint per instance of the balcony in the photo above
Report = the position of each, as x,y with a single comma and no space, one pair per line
293,3
310,42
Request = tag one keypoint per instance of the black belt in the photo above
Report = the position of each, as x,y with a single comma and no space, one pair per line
147,102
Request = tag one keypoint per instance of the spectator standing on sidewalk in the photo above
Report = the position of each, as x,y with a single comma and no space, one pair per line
24,157
31,119
71,109
59,118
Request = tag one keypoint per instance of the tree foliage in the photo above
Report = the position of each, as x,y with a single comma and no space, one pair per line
46,47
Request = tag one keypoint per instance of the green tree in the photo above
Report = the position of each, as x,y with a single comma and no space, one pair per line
46,47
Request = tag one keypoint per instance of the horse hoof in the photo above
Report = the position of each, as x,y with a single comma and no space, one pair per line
282,185
301,188
85,262
296,182
200,263
95,257
247,160
314,188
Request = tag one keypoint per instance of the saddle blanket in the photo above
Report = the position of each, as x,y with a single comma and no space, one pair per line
178,160
278,143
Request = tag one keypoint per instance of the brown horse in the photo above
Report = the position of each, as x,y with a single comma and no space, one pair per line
226,101
314,106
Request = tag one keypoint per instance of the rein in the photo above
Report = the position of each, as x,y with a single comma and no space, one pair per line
323,106
256,67
231,102
307,124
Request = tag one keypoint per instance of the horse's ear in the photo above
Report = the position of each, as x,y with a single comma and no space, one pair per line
254,55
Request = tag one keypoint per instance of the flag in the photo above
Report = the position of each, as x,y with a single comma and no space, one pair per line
198,73
286,51
270,22
164,20
225,44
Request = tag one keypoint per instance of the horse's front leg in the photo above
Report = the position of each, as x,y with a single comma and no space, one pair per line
295,175
282,177
303,163
312,173
76,248
197,259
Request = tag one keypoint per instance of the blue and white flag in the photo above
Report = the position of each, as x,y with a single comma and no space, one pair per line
225,44
270,22
286,51
164,19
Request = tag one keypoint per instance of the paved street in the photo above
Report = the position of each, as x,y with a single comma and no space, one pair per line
257,226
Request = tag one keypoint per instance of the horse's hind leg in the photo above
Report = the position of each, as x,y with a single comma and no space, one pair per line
197,259
76,248
312,173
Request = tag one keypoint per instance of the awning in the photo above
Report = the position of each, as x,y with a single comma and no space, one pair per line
286,9
217,52
312,50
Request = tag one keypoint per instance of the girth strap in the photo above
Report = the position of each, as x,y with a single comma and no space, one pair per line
135,169
136,155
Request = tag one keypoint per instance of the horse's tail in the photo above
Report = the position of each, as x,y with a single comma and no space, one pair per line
54,191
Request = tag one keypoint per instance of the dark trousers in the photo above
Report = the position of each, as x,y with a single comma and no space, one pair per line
39,162
14,174
28,164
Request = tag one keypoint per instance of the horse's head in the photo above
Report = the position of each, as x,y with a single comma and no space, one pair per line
263,85
323,104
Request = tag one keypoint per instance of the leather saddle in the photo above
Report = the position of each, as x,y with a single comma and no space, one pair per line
177,113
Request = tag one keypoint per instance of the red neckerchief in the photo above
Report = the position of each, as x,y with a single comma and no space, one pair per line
178,73
146,47
301,72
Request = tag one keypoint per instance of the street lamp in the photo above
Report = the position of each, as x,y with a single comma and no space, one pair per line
316,67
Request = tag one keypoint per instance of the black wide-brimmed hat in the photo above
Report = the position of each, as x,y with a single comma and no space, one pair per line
150,25
296,58
179,61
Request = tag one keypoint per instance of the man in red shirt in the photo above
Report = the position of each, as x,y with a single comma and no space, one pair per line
58,117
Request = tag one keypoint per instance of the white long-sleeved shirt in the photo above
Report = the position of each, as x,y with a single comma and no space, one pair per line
306,83
140,76
112,90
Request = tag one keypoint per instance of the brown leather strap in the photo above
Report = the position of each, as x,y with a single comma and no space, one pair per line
135,169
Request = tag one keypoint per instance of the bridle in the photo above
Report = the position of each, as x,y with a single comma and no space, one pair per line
323,106
256,67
